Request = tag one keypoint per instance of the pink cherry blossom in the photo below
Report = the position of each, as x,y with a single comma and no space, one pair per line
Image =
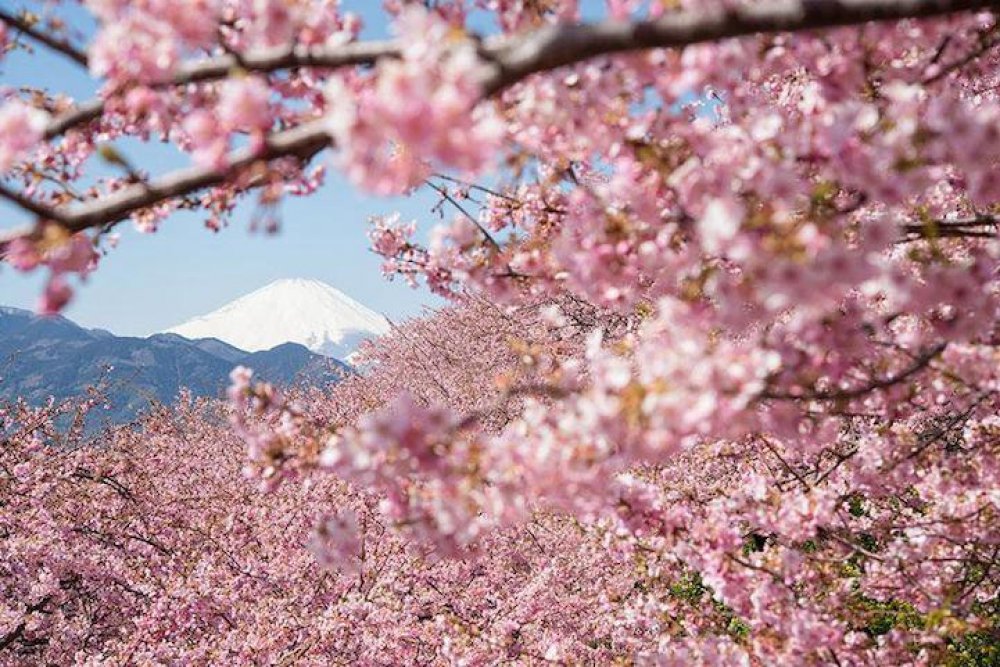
21,129
715,381
57,294
243,104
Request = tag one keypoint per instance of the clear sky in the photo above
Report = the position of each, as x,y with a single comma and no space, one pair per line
151,282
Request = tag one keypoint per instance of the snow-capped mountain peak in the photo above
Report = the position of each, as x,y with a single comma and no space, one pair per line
308,312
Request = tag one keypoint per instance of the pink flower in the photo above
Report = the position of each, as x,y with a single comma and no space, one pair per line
144,41
415,112
389,237
134,49
719,225
56,295
22,254
75,256
244,104
239,379
21,128
195,22
209,140
275,22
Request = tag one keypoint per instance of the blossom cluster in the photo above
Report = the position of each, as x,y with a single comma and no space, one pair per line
421,110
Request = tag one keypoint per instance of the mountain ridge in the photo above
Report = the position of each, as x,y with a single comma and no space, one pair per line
52,356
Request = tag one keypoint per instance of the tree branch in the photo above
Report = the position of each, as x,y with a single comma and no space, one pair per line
287,57
18,631
461,209
771,448
509,60
63,46
556,46
263,61
302,142
79,115
974,227
986,42
36,208
919,363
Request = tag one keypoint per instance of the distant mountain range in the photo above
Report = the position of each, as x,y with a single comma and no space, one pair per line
52,356
308,312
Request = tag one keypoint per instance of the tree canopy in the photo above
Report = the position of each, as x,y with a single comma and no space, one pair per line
717,383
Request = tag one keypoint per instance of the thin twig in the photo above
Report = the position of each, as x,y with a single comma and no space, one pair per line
451,200
57,44
771,448
918,365
985,45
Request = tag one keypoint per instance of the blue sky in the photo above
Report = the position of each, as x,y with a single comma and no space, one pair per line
150,282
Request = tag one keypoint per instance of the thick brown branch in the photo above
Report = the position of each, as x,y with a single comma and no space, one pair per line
37,209
78,115
57,44
287,57
977,226
557,46
947,234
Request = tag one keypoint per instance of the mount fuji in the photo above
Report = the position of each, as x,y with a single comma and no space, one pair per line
308,312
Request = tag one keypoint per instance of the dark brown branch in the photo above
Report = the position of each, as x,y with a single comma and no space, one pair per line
118,487
451,200
556,46
931,437
301,142
475,186
13,635
771,448
974,227
948,234
57,44
18,631
37,209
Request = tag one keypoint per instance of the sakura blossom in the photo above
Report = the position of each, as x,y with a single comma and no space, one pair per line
716,382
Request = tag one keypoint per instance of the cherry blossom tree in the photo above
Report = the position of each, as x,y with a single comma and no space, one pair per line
725,299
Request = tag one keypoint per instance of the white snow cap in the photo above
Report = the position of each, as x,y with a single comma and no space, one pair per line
308,312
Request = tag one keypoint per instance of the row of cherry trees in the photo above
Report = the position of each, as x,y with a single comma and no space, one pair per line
720,381
145,544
